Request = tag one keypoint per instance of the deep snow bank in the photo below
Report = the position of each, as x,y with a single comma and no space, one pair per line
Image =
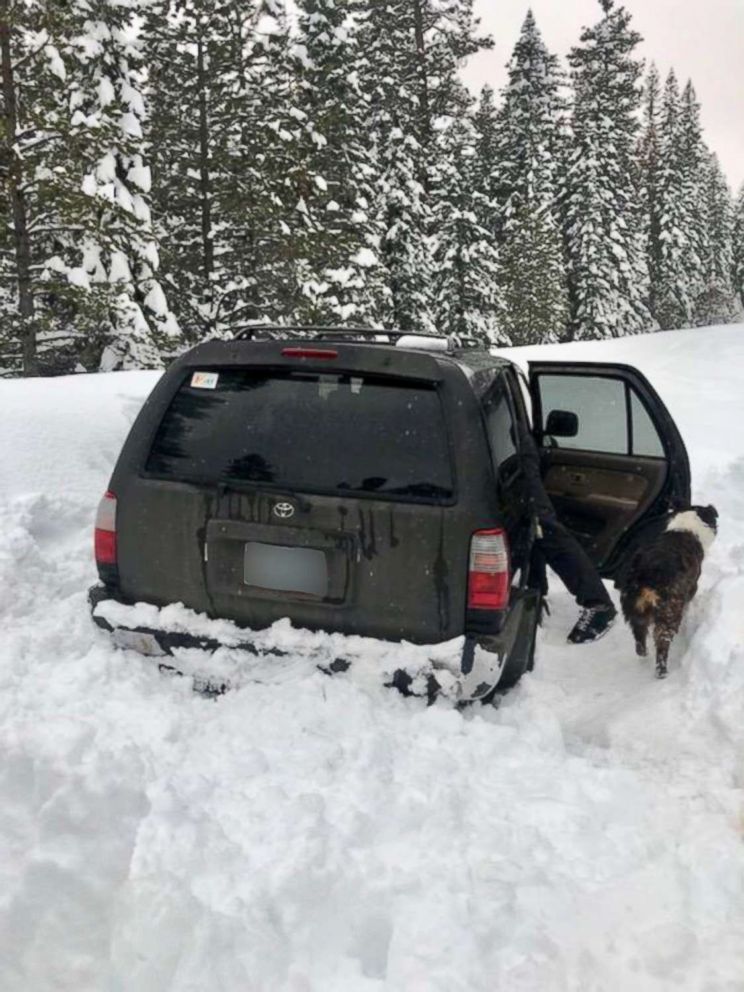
323,835
62,436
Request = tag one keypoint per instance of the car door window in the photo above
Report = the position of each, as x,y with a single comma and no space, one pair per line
612,418
599,405
646,440
500,429
500,409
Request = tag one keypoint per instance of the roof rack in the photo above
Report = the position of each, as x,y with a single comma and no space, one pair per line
370,335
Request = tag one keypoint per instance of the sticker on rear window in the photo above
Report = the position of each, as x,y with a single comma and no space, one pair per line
204,380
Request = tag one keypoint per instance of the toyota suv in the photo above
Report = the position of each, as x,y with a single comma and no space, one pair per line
369,482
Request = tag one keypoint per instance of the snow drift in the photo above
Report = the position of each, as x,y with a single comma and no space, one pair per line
311,834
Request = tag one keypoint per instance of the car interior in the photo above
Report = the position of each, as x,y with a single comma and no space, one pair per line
604,463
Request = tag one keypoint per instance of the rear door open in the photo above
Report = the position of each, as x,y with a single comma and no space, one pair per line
326,489
613,459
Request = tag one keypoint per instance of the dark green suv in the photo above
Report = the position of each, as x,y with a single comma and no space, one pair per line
369,482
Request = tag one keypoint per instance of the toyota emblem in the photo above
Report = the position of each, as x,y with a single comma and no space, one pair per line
284,510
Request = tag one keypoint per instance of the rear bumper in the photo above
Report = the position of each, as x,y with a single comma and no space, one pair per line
154,641
466,669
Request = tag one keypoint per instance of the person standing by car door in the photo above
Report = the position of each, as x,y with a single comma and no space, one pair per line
563,553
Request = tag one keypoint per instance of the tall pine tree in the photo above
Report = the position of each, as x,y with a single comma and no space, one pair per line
33,115
716,303
675,271
693,156
649,158
341,269
413,51
486,123
738,248
465,251
120,252
608,267
530,155
225,133
401,206
80,254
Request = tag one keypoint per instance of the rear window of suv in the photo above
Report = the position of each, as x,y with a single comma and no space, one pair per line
317,432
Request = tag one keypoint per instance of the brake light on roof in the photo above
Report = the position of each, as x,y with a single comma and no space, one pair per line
322,353
489,574
105,532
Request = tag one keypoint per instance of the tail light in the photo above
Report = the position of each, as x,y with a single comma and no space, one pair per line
489,576
105,534
322,353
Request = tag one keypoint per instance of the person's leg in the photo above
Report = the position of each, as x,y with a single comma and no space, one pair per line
573,566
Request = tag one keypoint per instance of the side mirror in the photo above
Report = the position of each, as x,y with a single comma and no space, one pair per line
562,423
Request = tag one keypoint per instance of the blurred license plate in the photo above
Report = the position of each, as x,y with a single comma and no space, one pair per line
273,566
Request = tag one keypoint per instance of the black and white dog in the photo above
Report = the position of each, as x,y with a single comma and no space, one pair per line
662,579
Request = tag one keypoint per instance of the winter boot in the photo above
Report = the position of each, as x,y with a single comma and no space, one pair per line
593,623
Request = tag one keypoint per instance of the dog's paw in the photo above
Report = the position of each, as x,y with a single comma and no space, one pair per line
661,673
641,650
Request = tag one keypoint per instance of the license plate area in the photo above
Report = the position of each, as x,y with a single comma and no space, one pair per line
252,561
278,568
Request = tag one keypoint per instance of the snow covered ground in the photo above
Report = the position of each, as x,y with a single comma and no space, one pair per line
311,834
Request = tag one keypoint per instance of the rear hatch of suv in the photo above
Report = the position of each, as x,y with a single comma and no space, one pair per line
319,484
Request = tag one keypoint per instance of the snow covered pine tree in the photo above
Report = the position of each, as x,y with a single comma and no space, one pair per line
84,258
341,278
675,271
413,52
465,249
81,255
716,304
530,157
220,130
738,248
120,253
608,275
649,161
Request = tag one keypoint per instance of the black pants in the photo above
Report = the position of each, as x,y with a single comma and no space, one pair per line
560,549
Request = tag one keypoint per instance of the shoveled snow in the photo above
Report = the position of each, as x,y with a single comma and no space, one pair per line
316,834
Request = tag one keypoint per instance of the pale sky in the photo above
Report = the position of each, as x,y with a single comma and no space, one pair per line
702,39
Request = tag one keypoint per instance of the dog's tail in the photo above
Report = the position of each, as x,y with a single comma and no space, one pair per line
647,600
